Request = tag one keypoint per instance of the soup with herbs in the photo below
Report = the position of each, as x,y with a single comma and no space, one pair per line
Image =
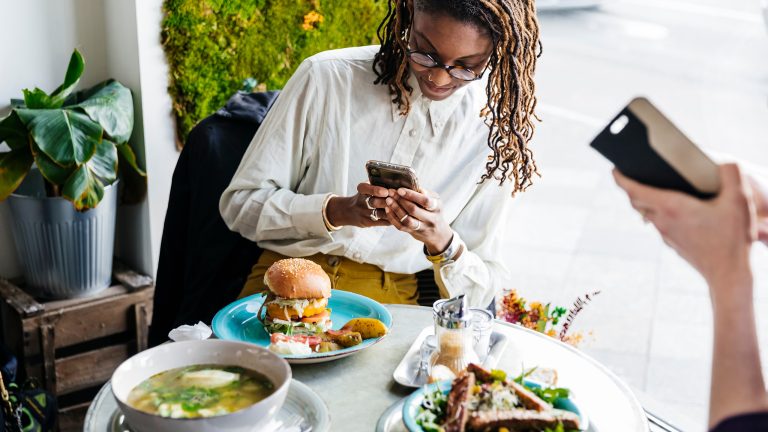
200,391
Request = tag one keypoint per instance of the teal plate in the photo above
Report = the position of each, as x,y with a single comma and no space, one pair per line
413,402
237,321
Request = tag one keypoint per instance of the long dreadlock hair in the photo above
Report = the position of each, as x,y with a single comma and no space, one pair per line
509,112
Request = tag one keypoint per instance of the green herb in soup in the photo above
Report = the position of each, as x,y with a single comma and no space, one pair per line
200,391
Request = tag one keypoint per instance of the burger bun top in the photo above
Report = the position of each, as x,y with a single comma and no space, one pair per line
298,278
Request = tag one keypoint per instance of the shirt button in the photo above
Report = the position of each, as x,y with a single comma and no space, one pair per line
412,132
356,256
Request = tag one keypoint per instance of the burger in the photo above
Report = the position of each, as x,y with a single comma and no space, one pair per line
297,301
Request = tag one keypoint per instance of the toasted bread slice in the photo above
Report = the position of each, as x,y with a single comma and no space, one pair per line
527,397
457,413
521,420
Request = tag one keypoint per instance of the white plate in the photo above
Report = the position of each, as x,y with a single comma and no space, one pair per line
303,411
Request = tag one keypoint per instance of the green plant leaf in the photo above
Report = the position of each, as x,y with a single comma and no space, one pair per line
37,99
14,166
83,189
104,161
68,137
54,173
71,78
127,155
112,108
13,131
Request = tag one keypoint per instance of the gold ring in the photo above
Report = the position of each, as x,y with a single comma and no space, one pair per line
403,218
368,202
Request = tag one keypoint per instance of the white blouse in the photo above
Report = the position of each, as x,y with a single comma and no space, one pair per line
328,121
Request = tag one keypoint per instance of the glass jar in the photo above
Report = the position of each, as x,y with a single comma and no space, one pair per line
455,340
482,326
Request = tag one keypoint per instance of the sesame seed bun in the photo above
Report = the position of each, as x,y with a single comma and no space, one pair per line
298,278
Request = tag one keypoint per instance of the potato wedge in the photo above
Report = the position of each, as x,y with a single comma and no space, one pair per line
345,338
367,327
328,346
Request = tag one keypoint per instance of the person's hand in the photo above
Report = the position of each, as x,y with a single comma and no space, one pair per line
419,214
714,235
363,209
760,194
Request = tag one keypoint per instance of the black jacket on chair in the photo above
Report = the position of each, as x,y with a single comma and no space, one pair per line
203,265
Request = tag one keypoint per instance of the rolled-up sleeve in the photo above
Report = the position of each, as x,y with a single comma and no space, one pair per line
480,271
260,202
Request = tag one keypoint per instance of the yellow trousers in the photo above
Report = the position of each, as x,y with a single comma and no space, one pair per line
346,275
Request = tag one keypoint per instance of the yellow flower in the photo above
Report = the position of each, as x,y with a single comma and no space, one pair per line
312,20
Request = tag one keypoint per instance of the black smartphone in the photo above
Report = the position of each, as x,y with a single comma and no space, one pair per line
391,176
647,147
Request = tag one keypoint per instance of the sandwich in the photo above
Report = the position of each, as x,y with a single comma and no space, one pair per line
480,401
297,300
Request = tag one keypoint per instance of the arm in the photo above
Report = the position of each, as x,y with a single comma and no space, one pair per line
478,268
260,202
715,237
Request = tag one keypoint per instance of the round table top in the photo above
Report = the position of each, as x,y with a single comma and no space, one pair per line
359,388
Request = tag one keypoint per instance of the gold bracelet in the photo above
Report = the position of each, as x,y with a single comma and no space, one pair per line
328,224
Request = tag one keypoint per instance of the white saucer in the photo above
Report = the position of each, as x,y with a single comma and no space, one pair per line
303,411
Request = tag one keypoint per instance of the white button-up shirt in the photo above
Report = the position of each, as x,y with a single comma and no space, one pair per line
328,121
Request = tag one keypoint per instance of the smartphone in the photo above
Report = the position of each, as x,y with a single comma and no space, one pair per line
647,147
391,176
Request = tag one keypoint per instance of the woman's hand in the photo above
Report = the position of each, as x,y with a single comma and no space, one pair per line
713,235
359,209
419,214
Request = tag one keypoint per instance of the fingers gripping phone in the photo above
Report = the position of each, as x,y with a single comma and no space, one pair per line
391,176
647,147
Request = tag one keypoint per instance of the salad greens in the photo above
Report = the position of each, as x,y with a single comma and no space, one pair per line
432,410
547,394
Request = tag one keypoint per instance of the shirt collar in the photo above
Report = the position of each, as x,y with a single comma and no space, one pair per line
439,111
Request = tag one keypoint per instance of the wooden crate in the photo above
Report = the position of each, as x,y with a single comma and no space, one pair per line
72,346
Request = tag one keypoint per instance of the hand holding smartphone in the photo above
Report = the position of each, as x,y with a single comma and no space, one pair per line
647,147
391,176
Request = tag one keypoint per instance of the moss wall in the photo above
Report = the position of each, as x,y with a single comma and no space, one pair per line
214,46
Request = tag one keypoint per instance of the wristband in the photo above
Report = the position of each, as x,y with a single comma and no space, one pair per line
328,225
453,248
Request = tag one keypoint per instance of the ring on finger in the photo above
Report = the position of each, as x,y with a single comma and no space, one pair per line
374,215
403,218
418,225
368,203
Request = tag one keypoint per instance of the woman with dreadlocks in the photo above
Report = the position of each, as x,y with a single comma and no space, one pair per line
450,93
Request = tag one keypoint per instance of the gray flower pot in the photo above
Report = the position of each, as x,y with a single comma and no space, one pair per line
64,253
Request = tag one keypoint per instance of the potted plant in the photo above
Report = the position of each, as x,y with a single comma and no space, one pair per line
63,162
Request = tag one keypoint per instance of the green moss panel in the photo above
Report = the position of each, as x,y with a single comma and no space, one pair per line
214,46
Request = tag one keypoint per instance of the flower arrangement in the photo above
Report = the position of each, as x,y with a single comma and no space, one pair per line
544,318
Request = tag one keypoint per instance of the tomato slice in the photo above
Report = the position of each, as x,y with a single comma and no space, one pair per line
318,317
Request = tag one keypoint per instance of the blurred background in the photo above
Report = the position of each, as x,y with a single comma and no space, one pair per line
704,63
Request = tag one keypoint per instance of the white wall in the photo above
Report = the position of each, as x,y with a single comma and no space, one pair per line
119,39
38,39
158,124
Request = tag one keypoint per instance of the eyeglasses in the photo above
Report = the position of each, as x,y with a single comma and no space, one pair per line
458,72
